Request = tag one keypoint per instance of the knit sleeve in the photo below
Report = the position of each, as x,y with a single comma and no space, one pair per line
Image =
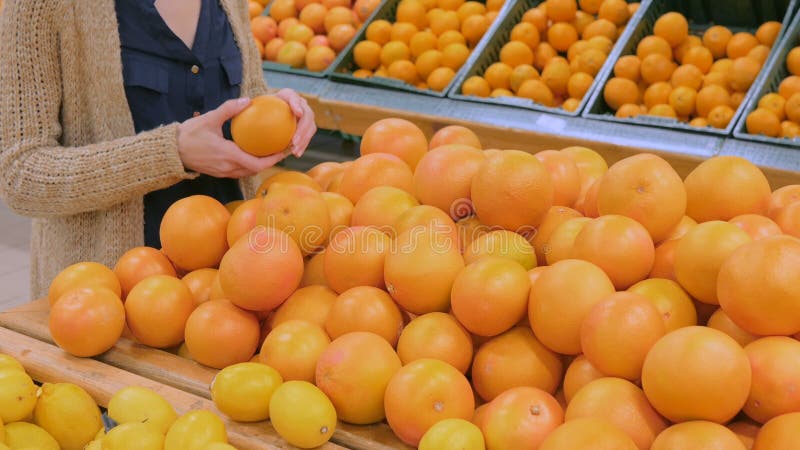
38,176
254,82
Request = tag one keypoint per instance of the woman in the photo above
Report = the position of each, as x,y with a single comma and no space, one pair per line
111,110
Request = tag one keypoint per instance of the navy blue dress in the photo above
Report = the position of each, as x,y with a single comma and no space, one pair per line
167,82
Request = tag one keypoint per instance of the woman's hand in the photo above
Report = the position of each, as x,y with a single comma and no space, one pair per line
204,149
305,120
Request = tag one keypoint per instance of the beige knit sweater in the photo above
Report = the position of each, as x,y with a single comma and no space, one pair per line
69,156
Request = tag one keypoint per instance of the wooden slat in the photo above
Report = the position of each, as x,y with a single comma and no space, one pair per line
47,363
163,367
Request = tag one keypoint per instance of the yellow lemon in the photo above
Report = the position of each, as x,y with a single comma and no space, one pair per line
17,395
138,404
69,414
194,430
22,435
452,434
302,414
243,391
7,362
219,446
133,436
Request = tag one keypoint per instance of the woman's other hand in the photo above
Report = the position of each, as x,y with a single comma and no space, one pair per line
305,120
204,149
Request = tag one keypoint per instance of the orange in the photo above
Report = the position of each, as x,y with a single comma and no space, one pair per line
588,203
355,384
679,52
653,45
615,11
779,433
139,263
410,412
340,211
440,78
282,9
743,73
579,373
759,53
775,104
561,36
299,211
689,76
365,308
494,5
646,188
565,176
774,361
292,54
156,311
576,49
698,122
783,197
427,62
444,176
287,177
619,245
87,320
746,431
264,28
720,321
512,359
520,74
248,273
450,5
403,70
765,122
412,11
793,61
365,8
380,208
421,42
674,304
590,6
771,282
556,76
590,164
716,39
740,45
526,33
80,275
474,27
403,32
683,226
476,86
561,10
682,99
793,108
311,303
628,110
543,54
571,104
664,263
697,373
591,61
757,226
470,8
446,23
620,91
454,134
537,91
194,232
724,187
436,335
628,67
699,57
244,219
379,167
293,348
561,240
284,25
626,322
788,218
588,434
421,267
768,33
504,243
697,435
266,113
379,31
672,27
469,229
657,68
600,27
601,43
366,55
512,171
199,283
394,51
489,296
454,56
657,94
700,254
560,302
255,9
299,33
521,417
711,97
721,116
515,53
621,403
355,257
537,18
338,15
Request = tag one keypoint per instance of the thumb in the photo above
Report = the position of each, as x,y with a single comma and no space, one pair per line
228,110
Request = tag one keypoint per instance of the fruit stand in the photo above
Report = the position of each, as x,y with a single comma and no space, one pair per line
553,267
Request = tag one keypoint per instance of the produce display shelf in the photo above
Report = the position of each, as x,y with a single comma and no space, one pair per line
24,335
346,65
768,81
738,15
351,109
491,54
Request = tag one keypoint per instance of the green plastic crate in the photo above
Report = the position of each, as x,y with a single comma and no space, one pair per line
769,81
346,66
738,15
491,54
276,67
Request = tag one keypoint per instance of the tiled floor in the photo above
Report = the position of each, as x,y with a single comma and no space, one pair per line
14,258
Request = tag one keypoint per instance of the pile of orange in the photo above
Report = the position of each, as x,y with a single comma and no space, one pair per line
542,300
428,42
701,80
555,52
778,113
307,34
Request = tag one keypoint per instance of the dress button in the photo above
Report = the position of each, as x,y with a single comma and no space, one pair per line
196,113
195,70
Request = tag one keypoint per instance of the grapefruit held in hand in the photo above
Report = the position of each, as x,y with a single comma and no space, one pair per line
265,127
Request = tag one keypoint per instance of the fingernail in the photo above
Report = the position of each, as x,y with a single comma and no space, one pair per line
243,101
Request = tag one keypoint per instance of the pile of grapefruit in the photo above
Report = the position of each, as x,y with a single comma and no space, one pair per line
509,299
778,113
307,34
554,52
698,79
